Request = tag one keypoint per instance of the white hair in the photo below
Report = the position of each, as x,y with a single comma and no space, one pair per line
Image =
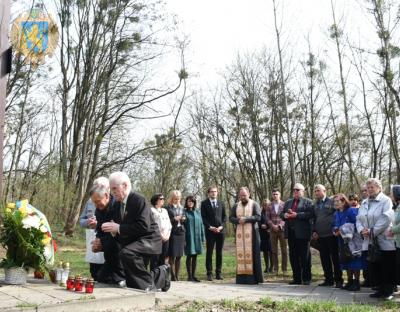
100,190
102,182
299,186
374,181
319,187
120,177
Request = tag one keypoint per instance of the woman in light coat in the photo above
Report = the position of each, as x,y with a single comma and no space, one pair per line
375,218
161,216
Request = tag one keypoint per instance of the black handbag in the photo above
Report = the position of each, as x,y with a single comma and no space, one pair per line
374,253
345,254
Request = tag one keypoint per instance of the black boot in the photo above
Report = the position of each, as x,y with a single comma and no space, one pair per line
177,268
189,272
348,284
172,267
355,286
194,264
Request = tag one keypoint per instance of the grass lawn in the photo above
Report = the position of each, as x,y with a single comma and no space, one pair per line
267,304
72,250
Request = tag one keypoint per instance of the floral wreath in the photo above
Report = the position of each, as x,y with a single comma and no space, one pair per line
26,235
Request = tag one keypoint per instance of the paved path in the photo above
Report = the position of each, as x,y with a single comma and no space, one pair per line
184,291
40,295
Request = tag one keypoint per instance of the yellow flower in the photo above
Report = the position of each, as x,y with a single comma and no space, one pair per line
22,210
23,207
11,206
23,203
8,210
46,240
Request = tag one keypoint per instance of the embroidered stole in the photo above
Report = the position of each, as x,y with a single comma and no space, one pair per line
244,240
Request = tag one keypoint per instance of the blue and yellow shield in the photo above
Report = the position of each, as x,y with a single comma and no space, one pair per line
35,35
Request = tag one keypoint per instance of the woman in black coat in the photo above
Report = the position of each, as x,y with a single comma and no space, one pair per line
177,239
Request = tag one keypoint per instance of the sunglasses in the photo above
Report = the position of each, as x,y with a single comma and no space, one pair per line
297,190
161,198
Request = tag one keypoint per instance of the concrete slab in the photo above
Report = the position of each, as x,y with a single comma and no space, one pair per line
43,296
181,291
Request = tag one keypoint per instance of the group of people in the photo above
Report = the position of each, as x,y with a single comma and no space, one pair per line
352,234
127,234
134,245
143,246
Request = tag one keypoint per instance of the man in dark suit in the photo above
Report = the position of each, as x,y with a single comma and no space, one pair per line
328,243
111,271
214,219
138,234
298,213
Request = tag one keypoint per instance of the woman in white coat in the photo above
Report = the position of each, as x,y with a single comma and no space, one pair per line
375,217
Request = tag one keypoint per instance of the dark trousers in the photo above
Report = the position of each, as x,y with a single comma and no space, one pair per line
300,258
397,266
135,271
329,254
384,272
94,269
212,240
158,260
366,274
111,272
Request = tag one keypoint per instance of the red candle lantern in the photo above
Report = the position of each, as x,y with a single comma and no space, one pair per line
78,284
89,286
70,283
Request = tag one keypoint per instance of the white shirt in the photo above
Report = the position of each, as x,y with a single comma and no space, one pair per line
164,224
276,207
213,202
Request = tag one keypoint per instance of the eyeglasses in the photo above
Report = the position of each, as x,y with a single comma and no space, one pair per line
161,198
297,190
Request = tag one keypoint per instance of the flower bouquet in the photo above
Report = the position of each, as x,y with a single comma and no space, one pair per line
26,236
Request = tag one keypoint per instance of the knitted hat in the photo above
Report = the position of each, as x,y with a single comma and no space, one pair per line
396,192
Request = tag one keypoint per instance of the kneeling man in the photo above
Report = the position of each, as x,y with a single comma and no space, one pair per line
137,232
111,271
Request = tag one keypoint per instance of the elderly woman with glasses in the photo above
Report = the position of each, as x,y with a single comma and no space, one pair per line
161,216
374,220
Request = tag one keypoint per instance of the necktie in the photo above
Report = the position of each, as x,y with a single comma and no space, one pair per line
214,205
122,210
